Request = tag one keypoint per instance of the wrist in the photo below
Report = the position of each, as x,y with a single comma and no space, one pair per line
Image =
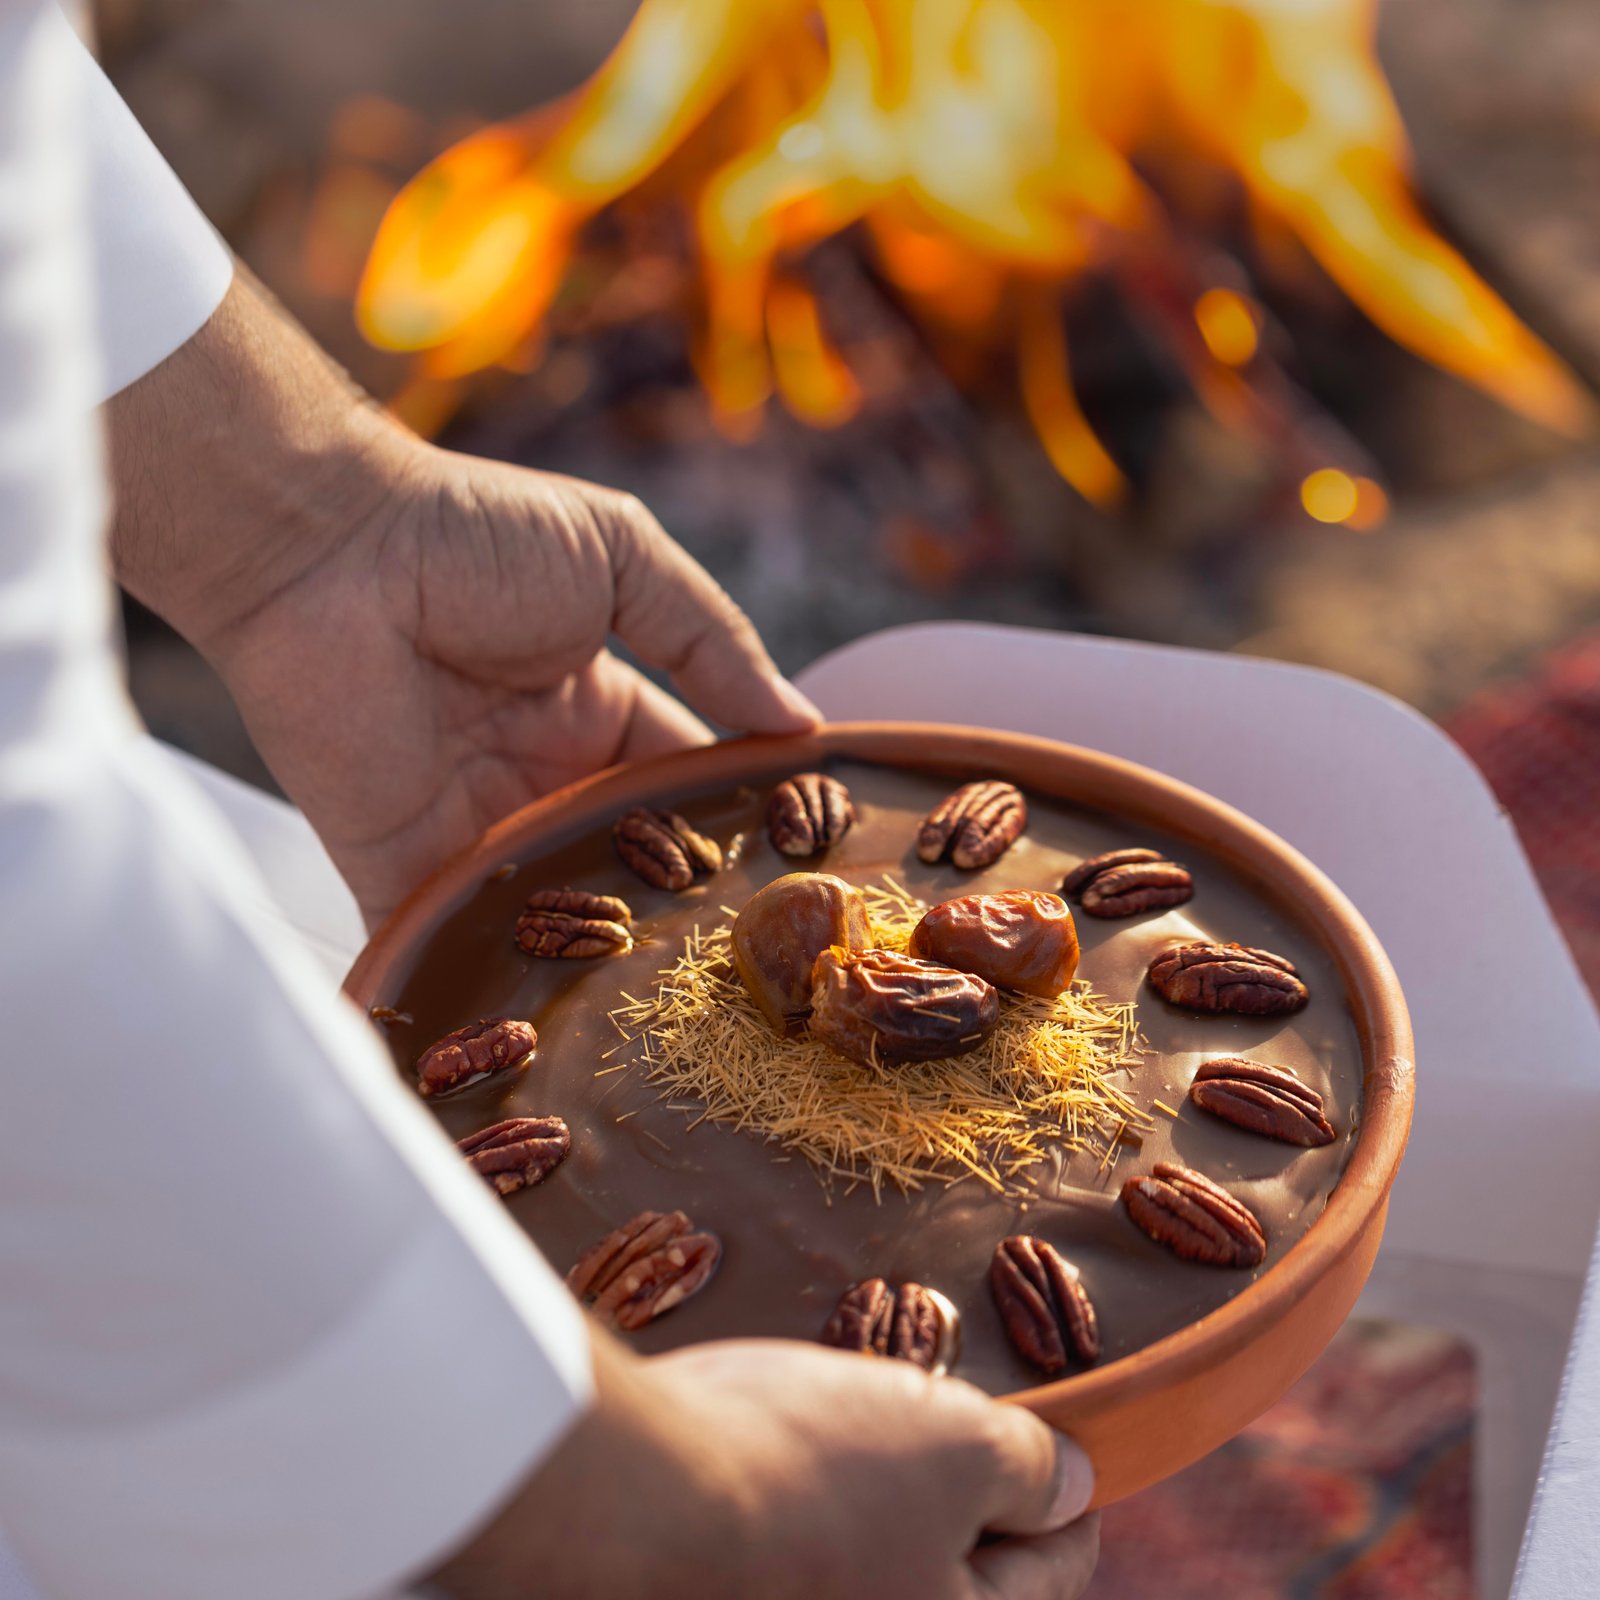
240,465
631,1502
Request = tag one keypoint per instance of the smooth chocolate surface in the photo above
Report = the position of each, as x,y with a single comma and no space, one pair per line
790,1246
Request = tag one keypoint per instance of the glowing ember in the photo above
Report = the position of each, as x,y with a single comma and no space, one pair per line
1227,323
987,148
1330,495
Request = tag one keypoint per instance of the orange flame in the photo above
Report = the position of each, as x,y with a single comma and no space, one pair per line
988,148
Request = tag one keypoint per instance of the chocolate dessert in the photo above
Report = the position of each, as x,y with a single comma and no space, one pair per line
1147,1225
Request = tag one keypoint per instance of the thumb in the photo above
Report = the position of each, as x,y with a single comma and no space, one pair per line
671,613
1039,1479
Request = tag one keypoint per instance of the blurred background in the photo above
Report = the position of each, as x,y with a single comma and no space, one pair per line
1268,326
1258,326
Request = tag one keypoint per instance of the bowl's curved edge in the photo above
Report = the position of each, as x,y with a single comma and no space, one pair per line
1346,1231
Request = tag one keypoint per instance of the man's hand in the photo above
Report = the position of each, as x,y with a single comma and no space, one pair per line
417,639
732,1471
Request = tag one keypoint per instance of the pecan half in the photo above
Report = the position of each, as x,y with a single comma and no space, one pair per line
1228,977
663,849
519,1152
1042,1302
1023,939
1132,890
467,1054
1088,870
639,1272
910,1323
1264,1099
975,826
808,813
876,1007
1194,1217
573,923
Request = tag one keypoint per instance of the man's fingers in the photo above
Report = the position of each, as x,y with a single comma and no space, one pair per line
1055,1566
672,614
1038,1479
658,723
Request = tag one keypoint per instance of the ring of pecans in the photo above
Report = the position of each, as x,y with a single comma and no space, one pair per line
879,1006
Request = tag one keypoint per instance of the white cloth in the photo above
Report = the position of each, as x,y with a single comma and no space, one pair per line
159,268
261,1333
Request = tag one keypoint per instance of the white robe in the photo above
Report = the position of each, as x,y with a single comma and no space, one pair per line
262,1334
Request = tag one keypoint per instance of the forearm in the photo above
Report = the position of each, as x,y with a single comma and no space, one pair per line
237,464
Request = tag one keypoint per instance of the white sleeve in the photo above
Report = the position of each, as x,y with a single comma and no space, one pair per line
159,268
262,1334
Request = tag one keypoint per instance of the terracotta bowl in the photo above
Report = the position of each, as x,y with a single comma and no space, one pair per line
1147,1415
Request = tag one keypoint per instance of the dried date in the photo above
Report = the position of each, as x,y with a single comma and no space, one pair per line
809,813
639,1272
879,1007
467,1054
571,924
1023,939
782,930
517,1153
1228,977
663,849
975,826
910,1323
1264,1099
1046,1310
1195,1218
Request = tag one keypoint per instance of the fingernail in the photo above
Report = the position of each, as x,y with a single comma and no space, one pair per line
1075,1488
796,702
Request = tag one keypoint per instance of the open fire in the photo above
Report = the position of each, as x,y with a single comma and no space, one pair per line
995,155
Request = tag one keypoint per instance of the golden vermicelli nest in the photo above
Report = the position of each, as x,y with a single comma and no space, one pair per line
1043,1082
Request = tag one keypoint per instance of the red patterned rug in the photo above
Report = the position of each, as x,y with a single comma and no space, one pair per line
1356,1486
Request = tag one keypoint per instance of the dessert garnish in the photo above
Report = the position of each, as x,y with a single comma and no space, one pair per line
1022,939
464,1055
1269,1100
1047,1313
1127,883
639,1272
910,1323
663,849
1194,1217
880,1007
808,813
1045,1080
974,826
1089,869
782,930
573,923
517,1153
1228,977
